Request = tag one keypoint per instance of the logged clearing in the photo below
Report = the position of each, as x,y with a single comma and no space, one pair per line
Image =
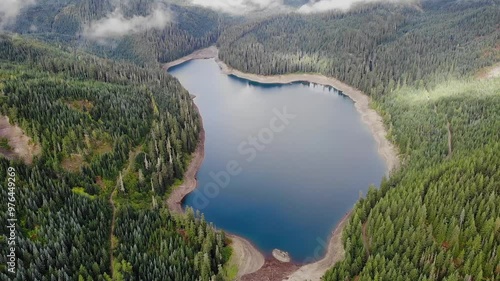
80,105
73,163
18,144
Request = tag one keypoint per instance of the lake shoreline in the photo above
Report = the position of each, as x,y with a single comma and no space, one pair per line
189,183
369,116
245,255
361,101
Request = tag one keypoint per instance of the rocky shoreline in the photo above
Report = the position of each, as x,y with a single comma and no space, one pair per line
335,251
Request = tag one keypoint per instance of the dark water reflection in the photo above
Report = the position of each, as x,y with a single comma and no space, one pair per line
293,178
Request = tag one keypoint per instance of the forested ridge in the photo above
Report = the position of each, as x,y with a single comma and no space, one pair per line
64,22
107,130
437,217
117,136
373,47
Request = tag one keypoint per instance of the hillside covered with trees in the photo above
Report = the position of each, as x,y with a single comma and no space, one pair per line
187,28
437,217
374,47
116,134
115,139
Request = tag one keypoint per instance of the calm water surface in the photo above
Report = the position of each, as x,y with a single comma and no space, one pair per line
283,163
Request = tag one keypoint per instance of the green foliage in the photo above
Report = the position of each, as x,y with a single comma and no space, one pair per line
374,48
190,246
64,22
4,143
437,218
65,218
81,191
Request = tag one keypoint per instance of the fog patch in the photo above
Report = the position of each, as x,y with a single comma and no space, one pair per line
240,6
116,25
318,6
10,9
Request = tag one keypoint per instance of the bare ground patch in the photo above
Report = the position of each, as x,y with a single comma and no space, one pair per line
206,53
334,253
80,105
272,270
73,163
16,143
335,249
246,256
489,72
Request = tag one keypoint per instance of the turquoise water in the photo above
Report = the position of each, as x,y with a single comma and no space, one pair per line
283,163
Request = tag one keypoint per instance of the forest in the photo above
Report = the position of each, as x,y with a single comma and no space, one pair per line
374,48
437,217
62,22
113,136
116,134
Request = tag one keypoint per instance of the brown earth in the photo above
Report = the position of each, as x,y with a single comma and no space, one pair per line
207,53
245,255
273,269
21,146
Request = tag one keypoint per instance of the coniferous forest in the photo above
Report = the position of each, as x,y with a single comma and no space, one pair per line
109,132
115,135
437,217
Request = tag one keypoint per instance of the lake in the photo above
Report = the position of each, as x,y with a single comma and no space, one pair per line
283,163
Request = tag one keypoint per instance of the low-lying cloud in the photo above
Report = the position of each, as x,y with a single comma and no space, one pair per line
317,6
10,9
248,6
239,6
116,25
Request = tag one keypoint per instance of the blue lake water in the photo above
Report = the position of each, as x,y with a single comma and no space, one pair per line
283,163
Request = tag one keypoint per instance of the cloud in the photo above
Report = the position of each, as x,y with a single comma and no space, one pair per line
239,6
317,6
115,25
10,9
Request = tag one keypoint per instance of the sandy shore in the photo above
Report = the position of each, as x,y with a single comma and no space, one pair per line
272,270
245,255
361,101
207,53
174,201
335,252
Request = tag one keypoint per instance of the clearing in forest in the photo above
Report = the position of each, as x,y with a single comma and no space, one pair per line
14,143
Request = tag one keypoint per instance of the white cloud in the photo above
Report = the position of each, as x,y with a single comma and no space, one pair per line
115,25
10,9
239,6
316,6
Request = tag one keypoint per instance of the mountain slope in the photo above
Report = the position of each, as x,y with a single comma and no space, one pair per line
437,218
65,21
373,47
111,134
